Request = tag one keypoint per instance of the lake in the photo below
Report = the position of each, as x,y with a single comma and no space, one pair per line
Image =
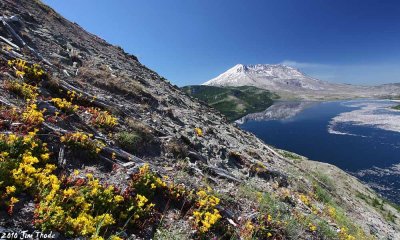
361,137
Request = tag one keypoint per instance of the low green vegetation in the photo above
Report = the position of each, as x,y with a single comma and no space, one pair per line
326,231
233,102
394,205
136,139
397,107
379,205
322,195
326,180
290,155
163,233
275,219
129,140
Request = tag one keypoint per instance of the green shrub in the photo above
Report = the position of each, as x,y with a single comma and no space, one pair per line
290,155
322,194
271,205
326,180
294,229
376,203
390,217
325,231
129,141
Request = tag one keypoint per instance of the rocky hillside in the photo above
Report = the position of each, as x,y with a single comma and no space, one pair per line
94,144
291,83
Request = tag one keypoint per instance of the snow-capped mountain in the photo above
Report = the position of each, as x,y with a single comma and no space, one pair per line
289,82
273,77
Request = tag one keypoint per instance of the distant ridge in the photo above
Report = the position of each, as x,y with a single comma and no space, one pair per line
290,82
270,76
233,102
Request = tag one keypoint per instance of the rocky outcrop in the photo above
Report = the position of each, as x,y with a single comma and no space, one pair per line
177,136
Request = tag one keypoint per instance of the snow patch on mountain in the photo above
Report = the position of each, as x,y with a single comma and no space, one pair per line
290,82
270,76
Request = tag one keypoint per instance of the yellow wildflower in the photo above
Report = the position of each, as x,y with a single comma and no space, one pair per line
10,190
199,132
312,227
141,200
114,237
69,192
118,198
13,200
45,156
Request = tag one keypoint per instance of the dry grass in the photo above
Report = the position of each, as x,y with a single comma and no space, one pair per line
176,148
104,78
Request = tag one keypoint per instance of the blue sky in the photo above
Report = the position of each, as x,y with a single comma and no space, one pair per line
192,41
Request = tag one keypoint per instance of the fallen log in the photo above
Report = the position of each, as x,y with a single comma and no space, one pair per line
222,173
61,159
54,128
9,43
121,154
21,41
5,102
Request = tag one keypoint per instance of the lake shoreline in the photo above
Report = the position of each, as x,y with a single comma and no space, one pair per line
304,128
